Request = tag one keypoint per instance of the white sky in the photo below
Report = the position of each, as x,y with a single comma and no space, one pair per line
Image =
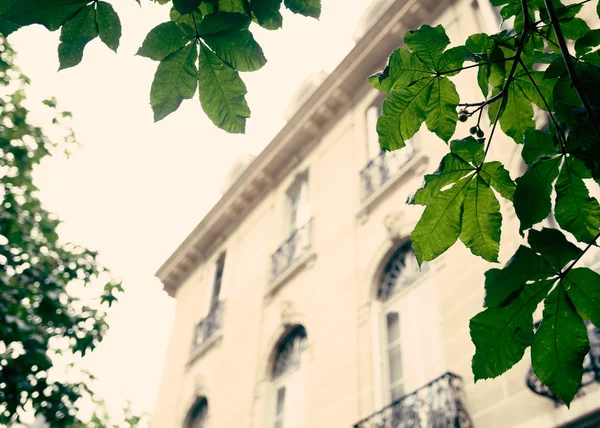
136,189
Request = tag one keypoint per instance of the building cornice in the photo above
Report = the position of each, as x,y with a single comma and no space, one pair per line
335,94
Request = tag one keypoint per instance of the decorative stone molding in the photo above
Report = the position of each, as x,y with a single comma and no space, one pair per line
287,313
396,225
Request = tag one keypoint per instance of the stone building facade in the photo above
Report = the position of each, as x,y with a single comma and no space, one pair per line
299,302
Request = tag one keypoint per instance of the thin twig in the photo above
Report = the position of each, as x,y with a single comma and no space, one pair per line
554,122
564,9
479,64
590,245
571,67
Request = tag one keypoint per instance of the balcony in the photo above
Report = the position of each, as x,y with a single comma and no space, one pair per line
207,329
295,249
435,405
381,169
591,368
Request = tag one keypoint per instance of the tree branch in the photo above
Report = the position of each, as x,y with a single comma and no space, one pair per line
574,262
557,127
571,67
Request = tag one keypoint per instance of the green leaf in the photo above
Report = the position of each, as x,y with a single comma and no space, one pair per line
582,287
574,29
441,224
267,13
544,86
427,43
481,221
468,149
239,6
575,210
403,69
52,14
553,246
310,8
538,144
239,50
109,25
453,59
222,22
175,80
501,335
222,93
559,346
163,40
187,21
451,169
186,6
532,195
7,27
502,286
441,108
588,42
75,35
498,177
404,111
517,116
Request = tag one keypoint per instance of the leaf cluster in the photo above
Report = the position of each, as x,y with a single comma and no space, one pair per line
39,317
522,75
204,46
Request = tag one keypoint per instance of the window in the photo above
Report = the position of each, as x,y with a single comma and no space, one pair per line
218,281
394,353
290,381
289,351
373,113
197,416
280,407
401,271
298,206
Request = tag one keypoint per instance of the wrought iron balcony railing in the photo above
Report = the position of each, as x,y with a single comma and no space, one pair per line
208,327
435,405
292,250
591,367
381,168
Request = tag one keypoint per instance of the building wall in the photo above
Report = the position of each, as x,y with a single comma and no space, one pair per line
333,293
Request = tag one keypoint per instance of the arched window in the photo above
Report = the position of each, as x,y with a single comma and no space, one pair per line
289,351
289,381
198,413
401,270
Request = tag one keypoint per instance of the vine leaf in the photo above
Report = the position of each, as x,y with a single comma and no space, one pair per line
75,35
460,203
311,8
417,89
176,79
575,210
560,345
222,92
109,25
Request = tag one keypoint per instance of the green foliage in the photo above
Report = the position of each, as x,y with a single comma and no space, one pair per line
468,209
417,88
40,318
517,74
219,26
207,43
